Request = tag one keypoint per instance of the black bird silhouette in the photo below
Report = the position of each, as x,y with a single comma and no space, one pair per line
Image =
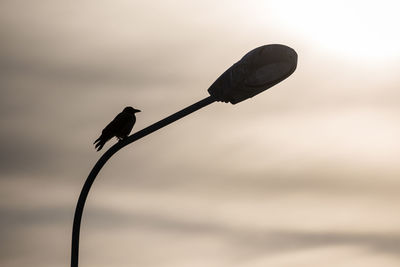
119,127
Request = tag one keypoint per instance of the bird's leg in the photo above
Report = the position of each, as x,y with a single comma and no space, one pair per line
121,138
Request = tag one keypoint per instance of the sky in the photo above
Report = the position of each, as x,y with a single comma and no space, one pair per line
304,174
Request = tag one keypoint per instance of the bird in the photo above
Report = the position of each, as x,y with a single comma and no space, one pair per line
120,127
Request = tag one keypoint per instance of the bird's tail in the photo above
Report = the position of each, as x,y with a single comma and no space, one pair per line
99,143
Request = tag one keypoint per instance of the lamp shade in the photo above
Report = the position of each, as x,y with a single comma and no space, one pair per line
258,70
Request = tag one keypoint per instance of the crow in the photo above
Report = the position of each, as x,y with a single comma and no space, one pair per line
119,127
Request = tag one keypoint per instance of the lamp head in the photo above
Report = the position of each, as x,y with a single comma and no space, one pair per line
258,70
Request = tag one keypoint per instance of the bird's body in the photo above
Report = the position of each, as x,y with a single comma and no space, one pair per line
120,127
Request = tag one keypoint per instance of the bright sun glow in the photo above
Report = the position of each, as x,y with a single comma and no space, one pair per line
360,29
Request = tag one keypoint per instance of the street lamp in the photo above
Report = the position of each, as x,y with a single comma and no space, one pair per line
258,70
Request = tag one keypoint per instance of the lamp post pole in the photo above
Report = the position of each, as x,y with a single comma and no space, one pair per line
108,154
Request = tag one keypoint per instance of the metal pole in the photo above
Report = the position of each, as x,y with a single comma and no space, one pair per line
108,154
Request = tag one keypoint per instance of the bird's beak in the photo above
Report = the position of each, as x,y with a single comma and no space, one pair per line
137,110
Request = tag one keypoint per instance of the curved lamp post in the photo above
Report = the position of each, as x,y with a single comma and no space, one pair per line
258,70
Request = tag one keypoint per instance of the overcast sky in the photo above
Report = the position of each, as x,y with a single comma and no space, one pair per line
304,174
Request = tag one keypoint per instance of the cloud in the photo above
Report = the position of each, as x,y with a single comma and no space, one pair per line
241,180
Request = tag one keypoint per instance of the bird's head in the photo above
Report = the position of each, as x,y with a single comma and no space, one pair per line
130,110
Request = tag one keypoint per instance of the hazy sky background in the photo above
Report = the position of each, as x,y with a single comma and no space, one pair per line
304,174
